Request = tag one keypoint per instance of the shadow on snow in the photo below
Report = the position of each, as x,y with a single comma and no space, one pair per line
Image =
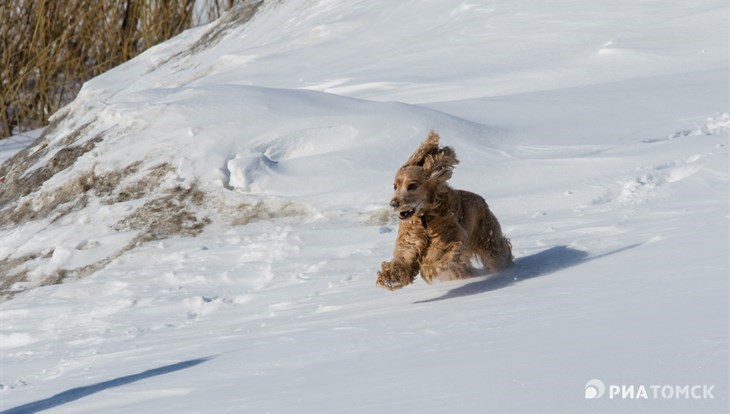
81,392
528,267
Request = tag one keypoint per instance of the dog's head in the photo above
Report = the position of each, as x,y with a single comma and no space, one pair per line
422,178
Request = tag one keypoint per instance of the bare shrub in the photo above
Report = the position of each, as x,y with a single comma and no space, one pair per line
49,48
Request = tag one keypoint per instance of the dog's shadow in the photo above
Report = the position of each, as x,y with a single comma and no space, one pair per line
528,267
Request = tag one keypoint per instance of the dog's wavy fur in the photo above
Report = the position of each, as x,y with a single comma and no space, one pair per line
440,229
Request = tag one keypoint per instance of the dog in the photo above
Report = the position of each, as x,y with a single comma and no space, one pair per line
440,229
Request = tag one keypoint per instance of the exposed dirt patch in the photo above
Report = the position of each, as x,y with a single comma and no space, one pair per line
13,271
19,162
17,184
166,216
235,17
143,187
249,213
238,15
72,196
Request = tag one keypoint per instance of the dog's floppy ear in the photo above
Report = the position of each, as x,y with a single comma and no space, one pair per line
429,147
440,166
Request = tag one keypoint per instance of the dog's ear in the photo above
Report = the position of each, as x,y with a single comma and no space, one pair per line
429,147
440,166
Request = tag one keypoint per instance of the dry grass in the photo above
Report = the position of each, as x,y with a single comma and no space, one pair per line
49,48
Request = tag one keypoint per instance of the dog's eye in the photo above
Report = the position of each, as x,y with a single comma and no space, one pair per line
412,186
395,186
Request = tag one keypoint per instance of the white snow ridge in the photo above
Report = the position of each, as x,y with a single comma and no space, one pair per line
199,231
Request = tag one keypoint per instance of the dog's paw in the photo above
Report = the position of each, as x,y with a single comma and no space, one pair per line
388,282
393,276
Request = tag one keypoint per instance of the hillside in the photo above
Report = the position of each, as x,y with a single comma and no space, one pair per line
199,231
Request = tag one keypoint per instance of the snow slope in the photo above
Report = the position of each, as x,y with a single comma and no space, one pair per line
216,211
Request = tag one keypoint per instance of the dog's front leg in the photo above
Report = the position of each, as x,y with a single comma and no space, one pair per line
445,258
410,246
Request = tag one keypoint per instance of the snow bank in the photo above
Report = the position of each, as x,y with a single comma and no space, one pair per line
167,162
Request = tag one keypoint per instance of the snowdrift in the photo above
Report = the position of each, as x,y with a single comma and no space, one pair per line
168,162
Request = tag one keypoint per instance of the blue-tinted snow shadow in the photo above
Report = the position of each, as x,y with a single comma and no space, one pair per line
81,392
528,267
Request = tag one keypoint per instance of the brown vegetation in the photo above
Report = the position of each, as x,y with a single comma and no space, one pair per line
49,48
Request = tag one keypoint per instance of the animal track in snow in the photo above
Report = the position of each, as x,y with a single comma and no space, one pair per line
714,125
638,188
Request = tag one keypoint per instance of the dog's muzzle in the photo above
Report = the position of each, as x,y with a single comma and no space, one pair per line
403,214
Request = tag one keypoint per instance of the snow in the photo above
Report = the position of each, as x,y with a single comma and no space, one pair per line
16,143
224,258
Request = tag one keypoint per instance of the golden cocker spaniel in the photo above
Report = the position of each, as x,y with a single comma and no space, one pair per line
441,229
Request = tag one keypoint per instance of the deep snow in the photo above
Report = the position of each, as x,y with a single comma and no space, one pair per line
223,256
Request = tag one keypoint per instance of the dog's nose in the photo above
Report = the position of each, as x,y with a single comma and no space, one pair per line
394,203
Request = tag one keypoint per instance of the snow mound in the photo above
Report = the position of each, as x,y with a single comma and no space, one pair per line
150,165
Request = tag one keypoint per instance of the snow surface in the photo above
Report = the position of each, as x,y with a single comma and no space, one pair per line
597,131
